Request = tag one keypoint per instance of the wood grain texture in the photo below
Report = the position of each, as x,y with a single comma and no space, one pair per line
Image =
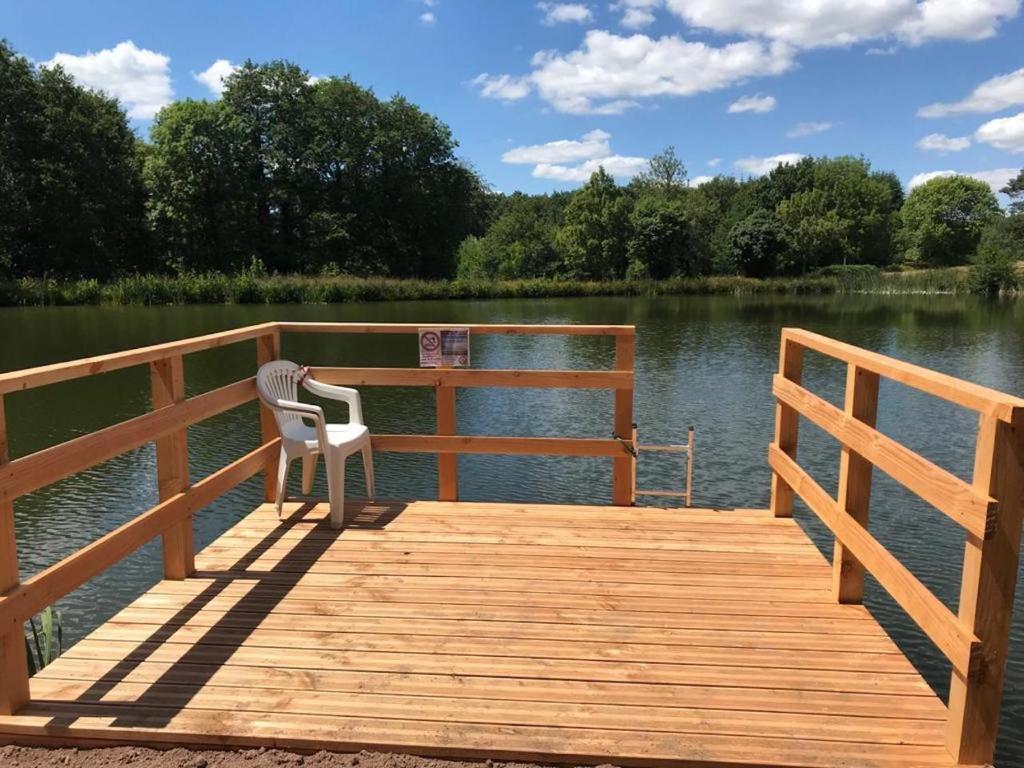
167,385
14,691
28,378
985,401
447,463
268,349
987,590
949,633
787,425
547,633
623,467
472,377
958,500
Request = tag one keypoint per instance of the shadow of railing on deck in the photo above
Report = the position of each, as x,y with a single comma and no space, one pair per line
189,673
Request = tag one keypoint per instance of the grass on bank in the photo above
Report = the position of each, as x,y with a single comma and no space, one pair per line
156,290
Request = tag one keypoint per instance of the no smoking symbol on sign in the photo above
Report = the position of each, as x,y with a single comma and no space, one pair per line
430,341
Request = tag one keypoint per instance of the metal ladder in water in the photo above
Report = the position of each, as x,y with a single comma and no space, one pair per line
684,449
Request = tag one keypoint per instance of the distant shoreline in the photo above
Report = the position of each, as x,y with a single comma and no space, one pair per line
160,290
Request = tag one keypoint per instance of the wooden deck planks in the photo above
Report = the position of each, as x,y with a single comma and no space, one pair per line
545,633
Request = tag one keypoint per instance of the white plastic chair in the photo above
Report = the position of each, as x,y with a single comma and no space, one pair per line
277,384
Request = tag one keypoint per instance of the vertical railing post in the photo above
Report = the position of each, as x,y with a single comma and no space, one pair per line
14,692
167,386
986,593
787,422
854,496
447,463
622,468
268,348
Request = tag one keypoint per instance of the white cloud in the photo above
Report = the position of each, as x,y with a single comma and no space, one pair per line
993,95
758,166
756,103
714,161
698,180
996,178
428,19
593,145
816,23
636,14
610,72
920,178
616,165
1003,133
808,129
213,76
573,160
937,142
504,87
139,78
560,13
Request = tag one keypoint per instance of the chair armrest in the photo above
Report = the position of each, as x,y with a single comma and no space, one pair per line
307,411
332,392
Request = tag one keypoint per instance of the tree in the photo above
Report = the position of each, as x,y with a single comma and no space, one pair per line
665,174
74,203
195,171
660,242
943,220
272,104
995,269
757,243
1014,189
592,242
520,243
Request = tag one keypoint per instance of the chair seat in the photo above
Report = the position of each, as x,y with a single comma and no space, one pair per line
339,435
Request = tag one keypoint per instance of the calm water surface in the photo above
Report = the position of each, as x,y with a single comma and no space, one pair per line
704,361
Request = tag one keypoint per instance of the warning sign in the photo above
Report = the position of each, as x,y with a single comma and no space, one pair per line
444,347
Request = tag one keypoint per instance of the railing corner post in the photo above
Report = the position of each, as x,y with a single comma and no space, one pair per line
268,348
623,467
787,423
987,591
14,689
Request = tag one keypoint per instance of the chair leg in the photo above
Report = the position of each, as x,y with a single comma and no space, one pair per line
308,473
282,480
336,488
368,469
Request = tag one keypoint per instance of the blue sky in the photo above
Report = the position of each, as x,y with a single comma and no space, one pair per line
538,94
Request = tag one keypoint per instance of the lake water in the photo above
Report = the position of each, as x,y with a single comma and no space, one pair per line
705,361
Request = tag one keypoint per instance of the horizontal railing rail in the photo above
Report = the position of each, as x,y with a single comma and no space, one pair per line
975,639
180,498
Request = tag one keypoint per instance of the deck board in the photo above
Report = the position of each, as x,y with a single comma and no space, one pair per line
549,633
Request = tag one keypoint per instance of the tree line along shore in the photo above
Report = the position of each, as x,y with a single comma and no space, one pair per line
294,189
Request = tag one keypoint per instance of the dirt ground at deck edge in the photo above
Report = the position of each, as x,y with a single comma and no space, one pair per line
140,757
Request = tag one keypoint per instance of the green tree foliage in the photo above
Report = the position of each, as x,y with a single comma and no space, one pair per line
995,269
943,220
1014,189
758,243
195,171
592,242
660,240
69,177
520,243
665,174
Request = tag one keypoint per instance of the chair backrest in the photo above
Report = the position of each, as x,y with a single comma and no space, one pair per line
277,381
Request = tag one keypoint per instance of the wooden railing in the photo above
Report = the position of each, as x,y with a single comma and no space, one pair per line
180,499
989,509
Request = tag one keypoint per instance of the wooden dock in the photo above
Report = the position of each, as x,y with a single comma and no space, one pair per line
540,632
